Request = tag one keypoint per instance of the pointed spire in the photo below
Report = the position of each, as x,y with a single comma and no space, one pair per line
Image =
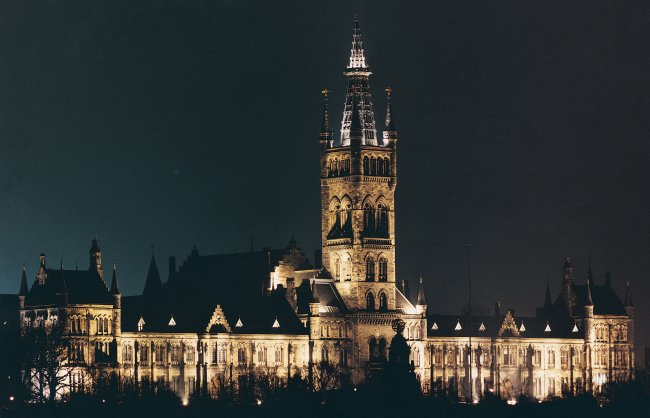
325,131
357,56
548,302
390,124
628,296
422,300
62,288
590,301
115,288
24,290
153,283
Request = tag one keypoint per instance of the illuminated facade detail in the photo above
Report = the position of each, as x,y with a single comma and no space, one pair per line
231,313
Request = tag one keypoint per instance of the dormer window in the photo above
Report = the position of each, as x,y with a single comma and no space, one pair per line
172,323
141,324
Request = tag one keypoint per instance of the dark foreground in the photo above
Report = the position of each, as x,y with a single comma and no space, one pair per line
339,405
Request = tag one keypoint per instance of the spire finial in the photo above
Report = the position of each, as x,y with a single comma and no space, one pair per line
24,290
628,296
590,301
390,124
325,131
357,56
115,288
422,300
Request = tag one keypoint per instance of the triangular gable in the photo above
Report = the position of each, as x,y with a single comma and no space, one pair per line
509,325
218,318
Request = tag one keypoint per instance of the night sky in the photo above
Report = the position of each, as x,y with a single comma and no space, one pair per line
524,129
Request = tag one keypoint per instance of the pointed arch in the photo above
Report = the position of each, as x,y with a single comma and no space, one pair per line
336,267
370,268
382,223
366,166
369,218
346,217
383,301
373,166
370,300
334,218
382,265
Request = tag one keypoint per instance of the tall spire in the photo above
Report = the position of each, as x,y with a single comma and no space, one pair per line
357,56
628,296
590,275
590,301
358,89
548,303
115,288
24,290
153,283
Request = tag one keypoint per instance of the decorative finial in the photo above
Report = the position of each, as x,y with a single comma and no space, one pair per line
388,91
325,92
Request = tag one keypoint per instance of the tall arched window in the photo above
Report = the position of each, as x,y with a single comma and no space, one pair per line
335,220
325,355
337,269
373,166
370,301
383,269
373,351
415,356
346,219
382,349
383,302
368,220
386,167
370,269
382,220
366,166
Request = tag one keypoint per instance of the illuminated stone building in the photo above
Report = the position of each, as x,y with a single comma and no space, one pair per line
217,316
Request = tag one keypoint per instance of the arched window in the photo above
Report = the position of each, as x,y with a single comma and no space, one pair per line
373,349
373,166
346,268
337,269
368,220
415,356
335,219
346,218
366,166
383,302
382,220
370,301
370,269
386,167
383,269
382,349
325,355
241,356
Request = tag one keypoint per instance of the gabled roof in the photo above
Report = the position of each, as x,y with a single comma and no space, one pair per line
534,327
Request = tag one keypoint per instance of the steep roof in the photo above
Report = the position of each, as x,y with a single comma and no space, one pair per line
605,299
83,287
235,282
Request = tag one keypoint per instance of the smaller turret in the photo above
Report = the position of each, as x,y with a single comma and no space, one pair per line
629,304
115,289
24,290
326,135
96,258
390,133
589,304
421,305
314,303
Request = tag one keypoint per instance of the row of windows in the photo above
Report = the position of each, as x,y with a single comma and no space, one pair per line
618,332
375,222
375,270
370,301
376,219
370,269
371,167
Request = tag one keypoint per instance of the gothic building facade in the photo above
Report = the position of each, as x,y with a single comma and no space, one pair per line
280,313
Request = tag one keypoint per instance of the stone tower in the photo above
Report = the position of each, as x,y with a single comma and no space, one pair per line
358,179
